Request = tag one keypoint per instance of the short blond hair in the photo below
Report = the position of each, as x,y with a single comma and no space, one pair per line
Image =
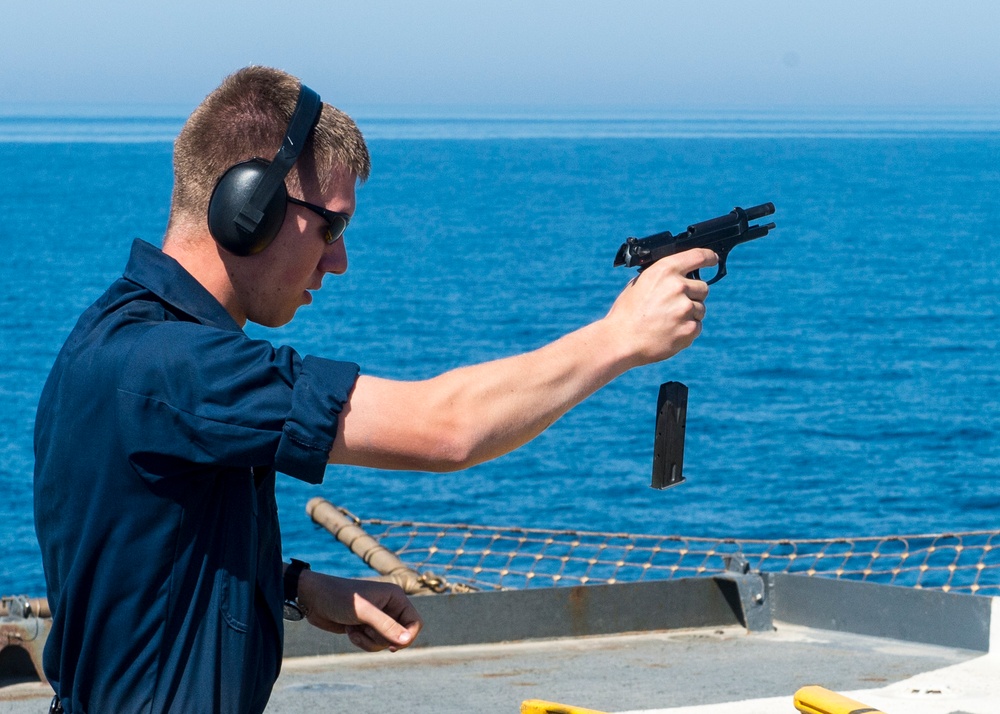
246,117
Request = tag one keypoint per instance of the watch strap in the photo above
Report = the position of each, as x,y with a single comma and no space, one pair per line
290,581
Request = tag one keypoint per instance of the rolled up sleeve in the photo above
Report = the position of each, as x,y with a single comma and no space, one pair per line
193,395
320,392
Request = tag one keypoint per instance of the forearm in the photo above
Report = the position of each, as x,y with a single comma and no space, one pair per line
503,405
474,413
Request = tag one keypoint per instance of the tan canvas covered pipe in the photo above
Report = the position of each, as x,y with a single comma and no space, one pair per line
375,555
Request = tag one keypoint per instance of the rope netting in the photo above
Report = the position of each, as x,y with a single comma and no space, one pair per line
484,557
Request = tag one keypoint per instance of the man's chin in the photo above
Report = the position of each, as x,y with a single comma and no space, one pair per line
274,320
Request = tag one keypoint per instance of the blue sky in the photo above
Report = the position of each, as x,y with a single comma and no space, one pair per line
636,54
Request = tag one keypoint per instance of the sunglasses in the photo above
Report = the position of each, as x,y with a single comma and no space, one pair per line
336,223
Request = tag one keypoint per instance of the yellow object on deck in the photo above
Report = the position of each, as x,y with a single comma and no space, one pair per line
537,706
817,700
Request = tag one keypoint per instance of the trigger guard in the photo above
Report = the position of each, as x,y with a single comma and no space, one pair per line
719,275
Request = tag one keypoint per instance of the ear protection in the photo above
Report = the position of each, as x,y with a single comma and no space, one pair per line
248,204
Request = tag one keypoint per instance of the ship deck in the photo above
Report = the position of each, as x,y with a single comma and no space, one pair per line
716,645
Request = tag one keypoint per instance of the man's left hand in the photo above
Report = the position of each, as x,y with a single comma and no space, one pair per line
374,615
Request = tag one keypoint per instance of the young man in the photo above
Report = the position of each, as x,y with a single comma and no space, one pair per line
162,425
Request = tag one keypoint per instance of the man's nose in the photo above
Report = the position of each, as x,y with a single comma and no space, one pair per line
334,258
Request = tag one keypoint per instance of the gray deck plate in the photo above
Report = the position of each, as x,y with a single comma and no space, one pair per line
608,673
625,647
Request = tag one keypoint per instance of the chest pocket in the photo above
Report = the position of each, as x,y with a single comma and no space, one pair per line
237,573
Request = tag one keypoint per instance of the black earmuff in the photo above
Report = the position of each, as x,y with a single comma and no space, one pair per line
248,204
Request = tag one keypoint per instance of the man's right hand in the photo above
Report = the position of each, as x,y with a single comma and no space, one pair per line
660,312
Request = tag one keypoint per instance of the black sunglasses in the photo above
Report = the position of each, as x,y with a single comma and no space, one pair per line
336,223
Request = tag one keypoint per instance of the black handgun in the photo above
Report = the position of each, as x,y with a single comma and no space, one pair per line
720,234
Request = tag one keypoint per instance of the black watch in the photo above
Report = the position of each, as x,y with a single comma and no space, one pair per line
293,611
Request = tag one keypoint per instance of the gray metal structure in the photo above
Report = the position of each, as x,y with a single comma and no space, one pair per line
630,646
748,600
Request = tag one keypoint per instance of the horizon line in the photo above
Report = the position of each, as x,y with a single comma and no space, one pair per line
566,112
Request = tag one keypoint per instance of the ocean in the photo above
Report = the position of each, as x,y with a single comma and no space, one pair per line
847,382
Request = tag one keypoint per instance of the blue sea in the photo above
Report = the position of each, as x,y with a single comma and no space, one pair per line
847,382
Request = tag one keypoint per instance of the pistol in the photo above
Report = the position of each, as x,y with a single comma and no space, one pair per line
720,234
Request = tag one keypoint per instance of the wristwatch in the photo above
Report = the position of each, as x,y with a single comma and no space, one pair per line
293,611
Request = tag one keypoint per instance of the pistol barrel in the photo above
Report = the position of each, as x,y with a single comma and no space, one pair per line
764,209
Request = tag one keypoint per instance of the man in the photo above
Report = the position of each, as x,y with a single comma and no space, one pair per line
162,425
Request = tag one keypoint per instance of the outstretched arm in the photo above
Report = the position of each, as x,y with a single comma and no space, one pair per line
473,414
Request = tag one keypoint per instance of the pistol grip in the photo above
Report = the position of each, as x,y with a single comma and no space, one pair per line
668,446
